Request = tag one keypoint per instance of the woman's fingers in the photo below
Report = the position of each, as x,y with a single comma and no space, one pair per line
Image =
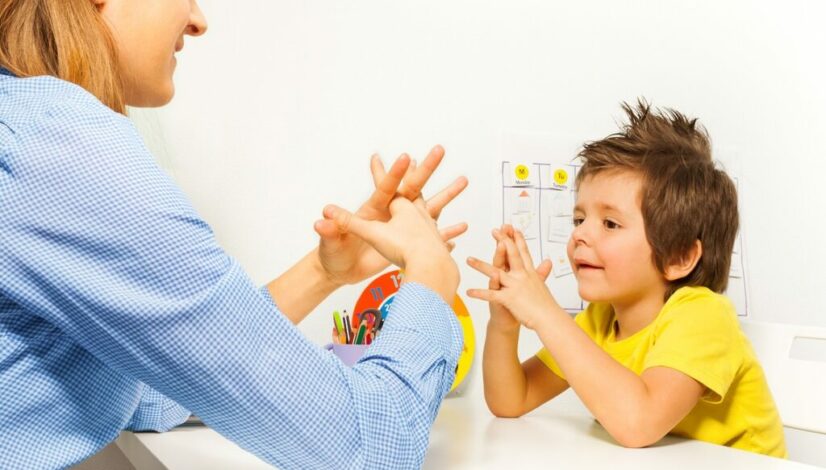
438,202
326,228
415,181
377,169
449,233
347,222
386,187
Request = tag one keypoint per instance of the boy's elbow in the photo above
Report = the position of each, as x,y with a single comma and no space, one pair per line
503,410
635,434
633,439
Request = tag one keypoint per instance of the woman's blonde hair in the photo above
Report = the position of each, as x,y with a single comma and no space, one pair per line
67,39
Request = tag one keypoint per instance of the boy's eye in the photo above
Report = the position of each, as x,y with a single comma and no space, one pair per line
578,221
610,224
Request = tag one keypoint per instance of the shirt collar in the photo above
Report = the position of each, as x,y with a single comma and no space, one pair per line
5,72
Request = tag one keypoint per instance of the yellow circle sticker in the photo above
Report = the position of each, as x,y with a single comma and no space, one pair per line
522,172
560,176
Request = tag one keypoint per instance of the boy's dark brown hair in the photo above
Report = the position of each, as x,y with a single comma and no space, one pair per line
684,196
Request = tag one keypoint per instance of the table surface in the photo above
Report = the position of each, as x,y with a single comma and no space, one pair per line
466,436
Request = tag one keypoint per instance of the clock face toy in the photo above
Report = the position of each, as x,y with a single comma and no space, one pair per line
377,297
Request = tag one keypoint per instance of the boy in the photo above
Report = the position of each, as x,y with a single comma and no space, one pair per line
659,349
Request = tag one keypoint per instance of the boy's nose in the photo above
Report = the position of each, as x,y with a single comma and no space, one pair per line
580,235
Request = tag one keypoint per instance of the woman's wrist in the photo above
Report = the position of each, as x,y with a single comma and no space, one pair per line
439,273
325,280
301,288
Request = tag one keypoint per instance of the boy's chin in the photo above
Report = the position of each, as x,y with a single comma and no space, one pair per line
591,296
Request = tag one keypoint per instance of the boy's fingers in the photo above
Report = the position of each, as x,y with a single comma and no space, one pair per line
544,269
522,246
493,282
507,229
482,294
482,267
499,256
514,258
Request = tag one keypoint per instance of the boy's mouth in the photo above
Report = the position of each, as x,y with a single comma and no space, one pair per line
584,265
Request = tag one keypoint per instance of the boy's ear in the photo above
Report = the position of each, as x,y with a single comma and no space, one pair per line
682,267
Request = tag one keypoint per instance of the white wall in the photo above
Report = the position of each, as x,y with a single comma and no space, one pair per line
280,105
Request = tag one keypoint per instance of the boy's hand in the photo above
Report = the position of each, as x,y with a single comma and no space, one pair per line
521,289
500,317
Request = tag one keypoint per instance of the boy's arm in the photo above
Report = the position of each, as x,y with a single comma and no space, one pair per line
513,389
636,410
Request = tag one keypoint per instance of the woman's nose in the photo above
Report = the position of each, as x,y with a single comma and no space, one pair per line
197,21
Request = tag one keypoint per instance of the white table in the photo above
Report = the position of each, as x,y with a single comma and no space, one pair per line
467,436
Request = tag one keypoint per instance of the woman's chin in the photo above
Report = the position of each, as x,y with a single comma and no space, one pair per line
154,98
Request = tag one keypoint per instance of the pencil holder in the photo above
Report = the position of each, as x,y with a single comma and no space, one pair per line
348,353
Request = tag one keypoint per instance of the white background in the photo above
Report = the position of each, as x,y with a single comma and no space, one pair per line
281,103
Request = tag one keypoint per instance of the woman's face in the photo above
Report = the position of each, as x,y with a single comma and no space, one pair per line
148,33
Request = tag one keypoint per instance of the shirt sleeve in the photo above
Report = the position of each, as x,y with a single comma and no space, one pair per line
696,337
100,242
156,412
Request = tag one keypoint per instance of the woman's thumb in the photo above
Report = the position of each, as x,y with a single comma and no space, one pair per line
346,221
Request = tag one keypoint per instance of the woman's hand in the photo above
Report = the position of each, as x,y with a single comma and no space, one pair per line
346,258
410,240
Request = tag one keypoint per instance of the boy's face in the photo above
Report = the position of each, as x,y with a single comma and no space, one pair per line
608,249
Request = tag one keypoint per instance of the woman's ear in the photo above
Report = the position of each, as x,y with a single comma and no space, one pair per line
682,267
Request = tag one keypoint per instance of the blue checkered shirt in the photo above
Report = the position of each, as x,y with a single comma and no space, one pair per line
118,310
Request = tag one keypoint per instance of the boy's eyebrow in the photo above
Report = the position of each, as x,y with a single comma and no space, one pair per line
603,206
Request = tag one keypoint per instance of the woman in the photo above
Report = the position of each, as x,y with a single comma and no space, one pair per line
118,310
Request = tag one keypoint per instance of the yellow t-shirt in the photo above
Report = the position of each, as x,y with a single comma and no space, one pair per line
697,333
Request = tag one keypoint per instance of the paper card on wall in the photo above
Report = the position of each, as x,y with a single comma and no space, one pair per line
560,228
561,265
736,268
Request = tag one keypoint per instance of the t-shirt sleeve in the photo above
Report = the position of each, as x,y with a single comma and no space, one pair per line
697,337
